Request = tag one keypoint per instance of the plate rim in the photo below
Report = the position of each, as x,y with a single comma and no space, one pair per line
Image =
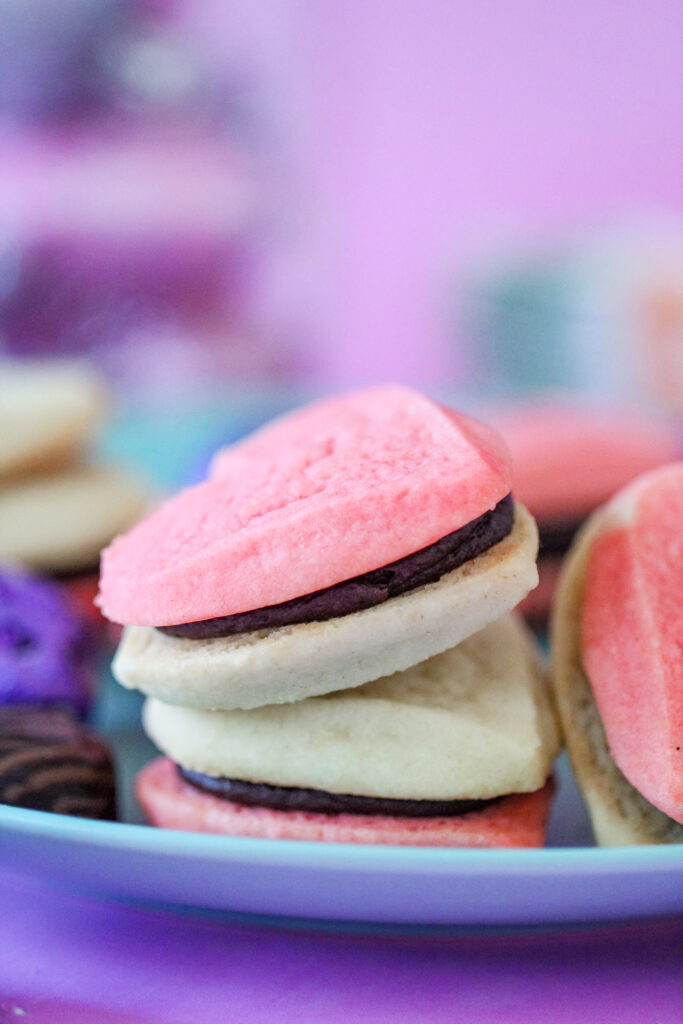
142,839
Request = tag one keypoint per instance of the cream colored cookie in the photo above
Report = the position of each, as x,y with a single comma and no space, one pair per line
48,412
474,722
59,522
293,662
621,816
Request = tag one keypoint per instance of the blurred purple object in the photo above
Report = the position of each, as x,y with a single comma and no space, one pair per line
48,56
91,61
76,297
168,185
106,239
44,649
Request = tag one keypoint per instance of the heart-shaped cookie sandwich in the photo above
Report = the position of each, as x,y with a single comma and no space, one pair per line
345,542
315,628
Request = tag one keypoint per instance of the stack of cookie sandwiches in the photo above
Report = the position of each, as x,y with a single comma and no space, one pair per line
58,508
323,632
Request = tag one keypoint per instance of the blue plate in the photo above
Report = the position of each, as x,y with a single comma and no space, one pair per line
568,882
345,882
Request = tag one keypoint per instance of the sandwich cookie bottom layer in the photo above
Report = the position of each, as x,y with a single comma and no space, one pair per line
290,663
170,802
291,798
472,723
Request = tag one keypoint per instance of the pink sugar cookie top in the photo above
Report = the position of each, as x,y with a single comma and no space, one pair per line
567,460
170,802
332,491
632,634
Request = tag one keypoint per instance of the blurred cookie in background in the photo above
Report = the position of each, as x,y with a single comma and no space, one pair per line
570,458
49,761
48,413
58,522
59,506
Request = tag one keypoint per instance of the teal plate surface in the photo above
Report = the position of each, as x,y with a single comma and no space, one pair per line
567,882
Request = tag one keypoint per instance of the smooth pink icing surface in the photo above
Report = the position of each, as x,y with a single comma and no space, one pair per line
169,802
335,490
568,460
632,637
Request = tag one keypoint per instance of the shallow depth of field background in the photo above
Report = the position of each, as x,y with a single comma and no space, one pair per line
283,199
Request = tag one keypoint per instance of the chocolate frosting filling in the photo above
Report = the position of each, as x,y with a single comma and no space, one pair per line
317,801
371,588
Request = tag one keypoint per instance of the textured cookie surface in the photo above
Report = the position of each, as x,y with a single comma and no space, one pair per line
375,587
474,722
632,634
59,522
620,814
287,664
331,492
47,413
514,821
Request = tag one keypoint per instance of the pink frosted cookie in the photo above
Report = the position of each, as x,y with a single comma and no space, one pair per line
618,658
567,461
169,802
346,541
327,494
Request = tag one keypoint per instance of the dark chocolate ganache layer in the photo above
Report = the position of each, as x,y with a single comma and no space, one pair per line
49,761
317,801
371,588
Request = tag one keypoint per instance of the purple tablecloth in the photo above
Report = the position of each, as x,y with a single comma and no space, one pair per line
71,959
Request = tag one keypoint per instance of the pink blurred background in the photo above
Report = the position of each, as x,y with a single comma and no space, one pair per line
401,153
436,125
